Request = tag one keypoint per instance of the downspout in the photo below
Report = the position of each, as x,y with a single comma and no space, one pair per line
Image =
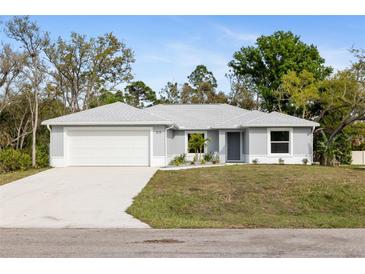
49,144
170,127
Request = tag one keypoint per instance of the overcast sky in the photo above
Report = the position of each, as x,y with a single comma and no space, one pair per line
167,48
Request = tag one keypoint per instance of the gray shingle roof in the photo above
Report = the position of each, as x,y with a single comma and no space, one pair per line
220,116
262,119
112,114
192,116
188,116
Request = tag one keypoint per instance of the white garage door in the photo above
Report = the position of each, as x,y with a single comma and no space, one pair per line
108,147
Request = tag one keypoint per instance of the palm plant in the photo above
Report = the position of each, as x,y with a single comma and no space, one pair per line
197,142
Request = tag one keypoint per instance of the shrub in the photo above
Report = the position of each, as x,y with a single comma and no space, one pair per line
305,161
281,161
11,160
360,147
208,157
255,161
195,159
42,156
202,161
179,160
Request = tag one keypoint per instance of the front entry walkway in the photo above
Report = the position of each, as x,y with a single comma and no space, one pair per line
74,197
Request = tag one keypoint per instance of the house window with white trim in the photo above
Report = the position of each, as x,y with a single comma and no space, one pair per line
280,142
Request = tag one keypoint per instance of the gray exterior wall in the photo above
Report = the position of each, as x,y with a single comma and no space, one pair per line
245,142
257,141
213,145
254,142
56,145
158,141
302,141
176,141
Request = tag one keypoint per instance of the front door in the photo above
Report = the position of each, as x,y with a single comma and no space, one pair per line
233,146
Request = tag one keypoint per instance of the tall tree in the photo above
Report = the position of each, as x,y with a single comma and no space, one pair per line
31,39
170,94
85,67
15,121
202,75
241,94
201,88
342,101
302,91
106,97
11,66
274,56
138,94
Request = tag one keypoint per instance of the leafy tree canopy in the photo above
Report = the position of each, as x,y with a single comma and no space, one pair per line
274,56
201,75
138,94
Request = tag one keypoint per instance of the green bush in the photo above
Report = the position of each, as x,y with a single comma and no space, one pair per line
255,161
179,160
208,157
360,147
42,156
11,160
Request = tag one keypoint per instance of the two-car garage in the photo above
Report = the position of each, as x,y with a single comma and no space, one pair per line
101,146
110,135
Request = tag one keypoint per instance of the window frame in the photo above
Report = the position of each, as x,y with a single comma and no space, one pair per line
290,142
187,140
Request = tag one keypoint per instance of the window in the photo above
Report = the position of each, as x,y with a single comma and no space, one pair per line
189,135
279,142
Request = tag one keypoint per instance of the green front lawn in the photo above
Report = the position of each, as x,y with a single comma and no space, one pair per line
16,175
248,196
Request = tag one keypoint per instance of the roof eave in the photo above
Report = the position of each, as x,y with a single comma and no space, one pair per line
50,123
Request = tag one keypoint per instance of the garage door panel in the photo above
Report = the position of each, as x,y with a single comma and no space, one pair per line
108,147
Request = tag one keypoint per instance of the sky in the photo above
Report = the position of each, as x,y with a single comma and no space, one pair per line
168,48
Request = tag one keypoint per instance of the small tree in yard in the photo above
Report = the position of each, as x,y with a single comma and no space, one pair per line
327,149
196,143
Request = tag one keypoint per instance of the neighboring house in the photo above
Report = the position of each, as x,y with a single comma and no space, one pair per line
121,135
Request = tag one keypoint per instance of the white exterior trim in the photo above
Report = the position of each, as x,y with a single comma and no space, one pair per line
158,161
296,159
108,123
57,161
269,154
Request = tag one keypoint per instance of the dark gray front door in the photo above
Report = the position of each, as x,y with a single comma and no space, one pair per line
233,146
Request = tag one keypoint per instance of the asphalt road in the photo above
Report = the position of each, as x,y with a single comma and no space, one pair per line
182,243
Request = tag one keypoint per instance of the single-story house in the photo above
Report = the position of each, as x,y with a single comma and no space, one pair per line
121,135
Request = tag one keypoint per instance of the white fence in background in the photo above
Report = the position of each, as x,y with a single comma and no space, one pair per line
358,157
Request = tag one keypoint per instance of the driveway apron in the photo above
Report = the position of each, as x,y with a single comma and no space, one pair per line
74,197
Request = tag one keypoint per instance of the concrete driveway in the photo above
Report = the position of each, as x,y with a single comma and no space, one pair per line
74,197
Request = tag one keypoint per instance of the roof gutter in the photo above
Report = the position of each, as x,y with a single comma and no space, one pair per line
106,123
